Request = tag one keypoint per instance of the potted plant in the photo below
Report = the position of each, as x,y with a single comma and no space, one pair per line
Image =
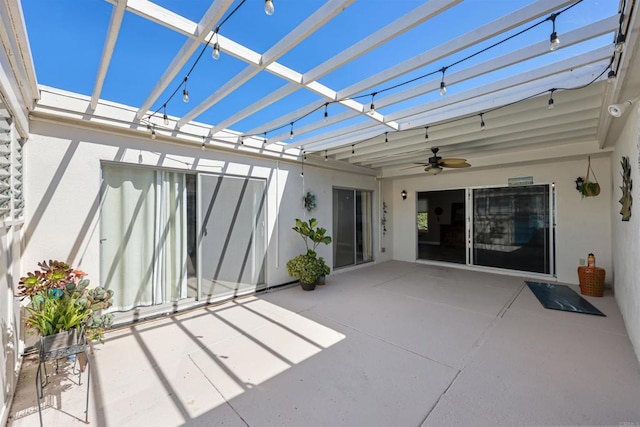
308,267
62,308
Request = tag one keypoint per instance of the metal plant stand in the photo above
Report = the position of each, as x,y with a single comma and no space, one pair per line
61,346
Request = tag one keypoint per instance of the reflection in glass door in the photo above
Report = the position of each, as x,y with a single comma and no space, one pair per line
511,228
232,236
352,227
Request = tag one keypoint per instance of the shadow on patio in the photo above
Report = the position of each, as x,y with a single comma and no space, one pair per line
389,344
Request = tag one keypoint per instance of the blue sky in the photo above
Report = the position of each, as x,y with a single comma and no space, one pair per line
67,38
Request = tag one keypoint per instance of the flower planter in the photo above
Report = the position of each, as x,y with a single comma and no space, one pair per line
61,344
308,286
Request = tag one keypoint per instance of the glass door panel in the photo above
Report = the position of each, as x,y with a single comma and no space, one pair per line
343,228
511,228
232,236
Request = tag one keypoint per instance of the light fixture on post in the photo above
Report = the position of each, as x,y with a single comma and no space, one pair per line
554,39
617,110
404,194
268,7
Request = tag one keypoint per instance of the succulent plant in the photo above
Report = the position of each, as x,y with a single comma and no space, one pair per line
62,300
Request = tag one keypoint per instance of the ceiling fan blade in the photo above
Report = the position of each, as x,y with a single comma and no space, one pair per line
423,164
455,165
453,160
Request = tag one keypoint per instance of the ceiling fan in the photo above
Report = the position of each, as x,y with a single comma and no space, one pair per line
436,163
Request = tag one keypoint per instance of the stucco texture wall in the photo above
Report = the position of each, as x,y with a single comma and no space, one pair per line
63,187
626,234
583,224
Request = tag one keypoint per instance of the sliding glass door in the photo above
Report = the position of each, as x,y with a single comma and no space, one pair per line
512,228
352,227
169,238
232,236
143,245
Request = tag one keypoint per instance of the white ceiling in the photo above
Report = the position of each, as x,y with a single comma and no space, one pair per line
510,84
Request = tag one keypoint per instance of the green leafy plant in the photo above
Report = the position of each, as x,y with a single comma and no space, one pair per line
61,300
308,267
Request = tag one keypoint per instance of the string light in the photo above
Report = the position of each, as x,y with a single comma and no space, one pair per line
611,77
153,132
426,132
215,52
269,8
372,108
202,144
554,39
165,118
550,103
185,92
264,140
443,85
291,131
302,163
353,149
326,113
386,139
620,38
326,157
482,125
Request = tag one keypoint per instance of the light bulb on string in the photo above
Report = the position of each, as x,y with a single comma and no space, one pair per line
326,157
269,8
291,131
550,103
386,139
264,140
165,118
554,39
153,133
443,85
611,77
185,92
620,42
482,124
426,132
202,148
215,52
326,113
353,149
372,107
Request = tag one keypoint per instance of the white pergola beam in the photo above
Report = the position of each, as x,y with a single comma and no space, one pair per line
209,20
529,52
117,14
319,18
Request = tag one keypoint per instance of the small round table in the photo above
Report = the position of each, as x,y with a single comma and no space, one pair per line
591,280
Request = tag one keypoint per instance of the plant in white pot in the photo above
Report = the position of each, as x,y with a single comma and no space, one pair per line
308,267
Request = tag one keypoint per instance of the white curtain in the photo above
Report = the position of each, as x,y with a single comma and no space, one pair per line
143,236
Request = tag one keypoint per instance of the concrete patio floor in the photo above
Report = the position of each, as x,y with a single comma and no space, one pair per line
392,344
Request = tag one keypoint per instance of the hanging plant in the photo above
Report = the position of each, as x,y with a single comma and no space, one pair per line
590,188
309,201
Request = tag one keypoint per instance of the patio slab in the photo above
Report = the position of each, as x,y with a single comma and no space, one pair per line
390,344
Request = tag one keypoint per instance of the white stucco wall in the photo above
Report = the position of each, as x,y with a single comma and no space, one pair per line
626,234
63,192
583,224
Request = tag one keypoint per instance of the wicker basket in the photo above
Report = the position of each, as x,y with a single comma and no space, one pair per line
591,281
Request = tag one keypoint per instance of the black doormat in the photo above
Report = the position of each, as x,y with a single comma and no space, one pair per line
562,297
